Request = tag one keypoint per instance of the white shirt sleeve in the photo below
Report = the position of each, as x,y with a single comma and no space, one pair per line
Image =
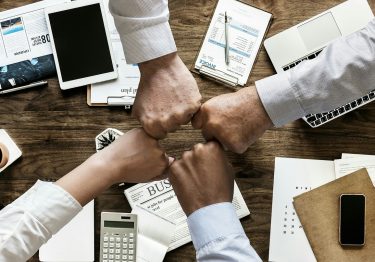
32,219
218,235
144,28
343,72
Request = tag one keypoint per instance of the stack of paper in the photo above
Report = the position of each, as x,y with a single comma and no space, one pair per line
288,241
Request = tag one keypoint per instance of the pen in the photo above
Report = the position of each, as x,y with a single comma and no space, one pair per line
226,40
40,83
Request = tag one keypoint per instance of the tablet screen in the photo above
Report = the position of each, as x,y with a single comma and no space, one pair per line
81,42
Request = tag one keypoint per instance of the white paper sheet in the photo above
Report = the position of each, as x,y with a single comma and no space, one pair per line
349,165
247,26
347,155
14,151
160,198
74,242
288,241
24,34
154,235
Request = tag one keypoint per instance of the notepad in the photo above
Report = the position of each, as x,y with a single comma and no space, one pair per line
247,28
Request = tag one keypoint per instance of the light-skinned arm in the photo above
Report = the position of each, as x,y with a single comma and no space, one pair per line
43,210
168,95
343,72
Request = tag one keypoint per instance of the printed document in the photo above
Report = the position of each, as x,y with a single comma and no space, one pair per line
288,241
154,235
160,198
24,33
349,165
247,27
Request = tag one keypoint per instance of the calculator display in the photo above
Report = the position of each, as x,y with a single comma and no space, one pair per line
118,224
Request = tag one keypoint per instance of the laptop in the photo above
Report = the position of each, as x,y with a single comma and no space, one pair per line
306,40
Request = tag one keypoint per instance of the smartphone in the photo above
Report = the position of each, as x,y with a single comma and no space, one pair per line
352,219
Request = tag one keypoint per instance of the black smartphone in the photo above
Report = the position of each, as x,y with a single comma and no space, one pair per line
352,219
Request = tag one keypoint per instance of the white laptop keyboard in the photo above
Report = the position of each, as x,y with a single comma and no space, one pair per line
322,118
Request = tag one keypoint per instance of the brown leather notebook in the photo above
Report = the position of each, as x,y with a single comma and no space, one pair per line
318,211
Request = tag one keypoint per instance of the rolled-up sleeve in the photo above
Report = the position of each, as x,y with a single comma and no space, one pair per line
33,218
144,28
343,72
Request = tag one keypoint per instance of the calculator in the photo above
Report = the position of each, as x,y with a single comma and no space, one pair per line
118,237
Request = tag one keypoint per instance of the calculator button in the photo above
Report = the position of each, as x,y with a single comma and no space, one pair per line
118,251
131,252
111,244
105,250
118,245
130,257
111,256
105,256
131,235
111,251
124,245
131,246
105,260
117,261
117,256
111,239
110,260
105,244
124,251
124,257
105,239
118,239
131,240
125,239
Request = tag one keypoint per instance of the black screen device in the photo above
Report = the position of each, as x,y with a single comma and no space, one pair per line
81,42
352,219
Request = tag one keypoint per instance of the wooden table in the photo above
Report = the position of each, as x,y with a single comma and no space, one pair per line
56,129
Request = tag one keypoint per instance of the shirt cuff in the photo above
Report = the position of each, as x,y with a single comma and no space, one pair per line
279,99
51,205
148,43
213,222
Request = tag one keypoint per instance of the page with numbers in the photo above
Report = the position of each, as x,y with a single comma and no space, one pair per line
288,241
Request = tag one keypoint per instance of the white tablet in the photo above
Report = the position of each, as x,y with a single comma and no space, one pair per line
80,43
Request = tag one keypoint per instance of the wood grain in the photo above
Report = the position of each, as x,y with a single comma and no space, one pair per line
55,129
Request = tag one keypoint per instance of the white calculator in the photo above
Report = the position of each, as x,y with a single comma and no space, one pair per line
118,237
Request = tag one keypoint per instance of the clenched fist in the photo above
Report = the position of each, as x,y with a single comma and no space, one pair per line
167,97
236,120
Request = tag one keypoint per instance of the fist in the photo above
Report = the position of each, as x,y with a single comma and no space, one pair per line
202,177
236,120
135,157
167,97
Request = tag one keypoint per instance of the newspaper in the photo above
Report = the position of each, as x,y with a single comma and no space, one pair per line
24,34
159,197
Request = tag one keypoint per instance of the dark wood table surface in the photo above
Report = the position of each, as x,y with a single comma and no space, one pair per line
55,129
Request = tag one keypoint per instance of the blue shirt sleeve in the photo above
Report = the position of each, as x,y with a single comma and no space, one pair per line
218,235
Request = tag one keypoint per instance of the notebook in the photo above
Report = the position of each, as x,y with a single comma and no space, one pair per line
318,210
74,242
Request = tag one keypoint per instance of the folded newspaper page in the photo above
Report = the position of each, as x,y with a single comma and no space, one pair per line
25,48
160,198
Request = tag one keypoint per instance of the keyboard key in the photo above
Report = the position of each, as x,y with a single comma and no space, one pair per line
318,115
330,116
298,62
325,113
317,53
111,260
307,116
286,68
324,119
353,104
312,56
359,101
311,119
304,59
105,260
347,107
317,122
291,66
372,95
312,124
365,98
341,110
335,113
